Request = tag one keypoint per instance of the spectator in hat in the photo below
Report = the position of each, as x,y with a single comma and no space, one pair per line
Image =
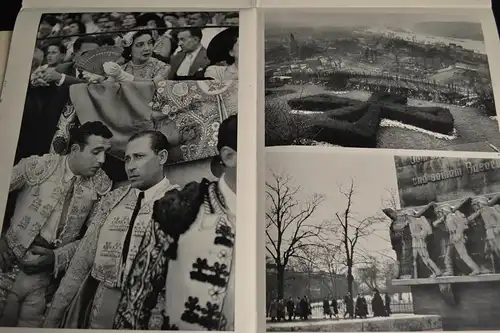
223,55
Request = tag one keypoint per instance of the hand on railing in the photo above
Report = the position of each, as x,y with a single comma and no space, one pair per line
114,71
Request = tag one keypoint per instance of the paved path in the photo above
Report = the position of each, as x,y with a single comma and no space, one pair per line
316,319
403,322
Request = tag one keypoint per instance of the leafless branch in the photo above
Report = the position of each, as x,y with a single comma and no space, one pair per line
289,228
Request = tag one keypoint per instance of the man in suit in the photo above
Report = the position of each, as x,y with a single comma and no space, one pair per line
91,289
192,61
56,196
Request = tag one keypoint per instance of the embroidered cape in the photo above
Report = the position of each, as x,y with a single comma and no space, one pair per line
197,213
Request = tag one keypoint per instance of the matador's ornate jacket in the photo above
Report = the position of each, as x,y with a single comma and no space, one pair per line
40,180
183,275
99,253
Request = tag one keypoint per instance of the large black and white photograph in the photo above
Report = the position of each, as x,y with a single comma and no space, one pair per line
396,80
121,211
364,242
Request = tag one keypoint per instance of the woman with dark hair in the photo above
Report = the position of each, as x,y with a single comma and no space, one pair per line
223,55
140,64
165,44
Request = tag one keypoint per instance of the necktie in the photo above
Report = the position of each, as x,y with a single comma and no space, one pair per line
65,208
185,65
126,244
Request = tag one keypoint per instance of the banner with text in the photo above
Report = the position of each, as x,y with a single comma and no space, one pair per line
422,179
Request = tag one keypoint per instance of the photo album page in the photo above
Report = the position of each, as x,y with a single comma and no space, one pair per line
119,169
368,176
382,168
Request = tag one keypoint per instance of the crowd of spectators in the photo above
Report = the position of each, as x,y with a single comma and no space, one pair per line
153,46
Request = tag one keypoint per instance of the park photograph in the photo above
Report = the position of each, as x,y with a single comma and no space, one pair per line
397,80
374,242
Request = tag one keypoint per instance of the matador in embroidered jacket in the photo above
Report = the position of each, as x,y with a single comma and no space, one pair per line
183,277
56,195
44,183
89,293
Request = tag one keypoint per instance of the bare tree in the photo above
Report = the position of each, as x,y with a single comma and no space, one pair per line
391,200
287,223
323,260
306,261
330,257
351,230
372,274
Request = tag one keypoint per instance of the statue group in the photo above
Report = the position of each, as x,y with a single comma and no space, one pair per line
447,239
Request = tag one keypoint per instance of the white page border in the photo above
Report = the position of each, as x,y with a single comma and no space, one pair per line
373,3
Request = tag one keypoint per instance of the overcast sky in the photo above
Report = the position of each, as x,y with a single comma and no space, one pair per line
373,175
293,18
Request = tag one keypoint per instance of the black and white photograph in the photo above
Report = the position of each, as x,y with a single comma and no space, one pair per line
121,211
366,242
394,80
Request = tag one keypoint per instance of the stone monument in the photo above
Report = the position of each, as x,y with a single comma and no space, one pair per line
448,248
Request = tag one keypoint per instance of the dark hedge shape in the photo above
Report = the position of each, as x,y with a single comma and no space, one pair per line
361,133
321,102
434,119
348,113
352,123
382,96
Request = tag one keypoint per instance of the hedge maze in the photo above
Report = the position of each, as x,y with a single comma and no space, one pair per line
351,123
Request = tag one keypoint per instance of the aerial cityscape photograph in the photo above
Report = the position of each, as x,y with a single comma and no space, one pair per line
398,81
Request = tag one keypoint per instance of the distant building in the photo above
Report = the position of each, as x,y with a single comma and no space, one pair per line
316,285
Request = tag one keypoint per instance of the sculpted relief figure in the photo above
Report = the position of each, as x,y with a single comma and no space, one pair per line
402,249
489,210
420,229
456,224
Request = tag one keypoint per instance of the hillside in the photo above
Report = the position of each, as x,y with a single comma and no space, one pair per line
460,30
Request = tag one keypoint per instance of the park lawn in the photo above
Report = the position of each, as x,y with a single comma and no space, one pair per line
472,125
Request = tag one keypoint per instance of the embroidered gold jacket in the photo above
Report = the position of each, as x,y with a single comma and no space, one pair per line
39,180
84,261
